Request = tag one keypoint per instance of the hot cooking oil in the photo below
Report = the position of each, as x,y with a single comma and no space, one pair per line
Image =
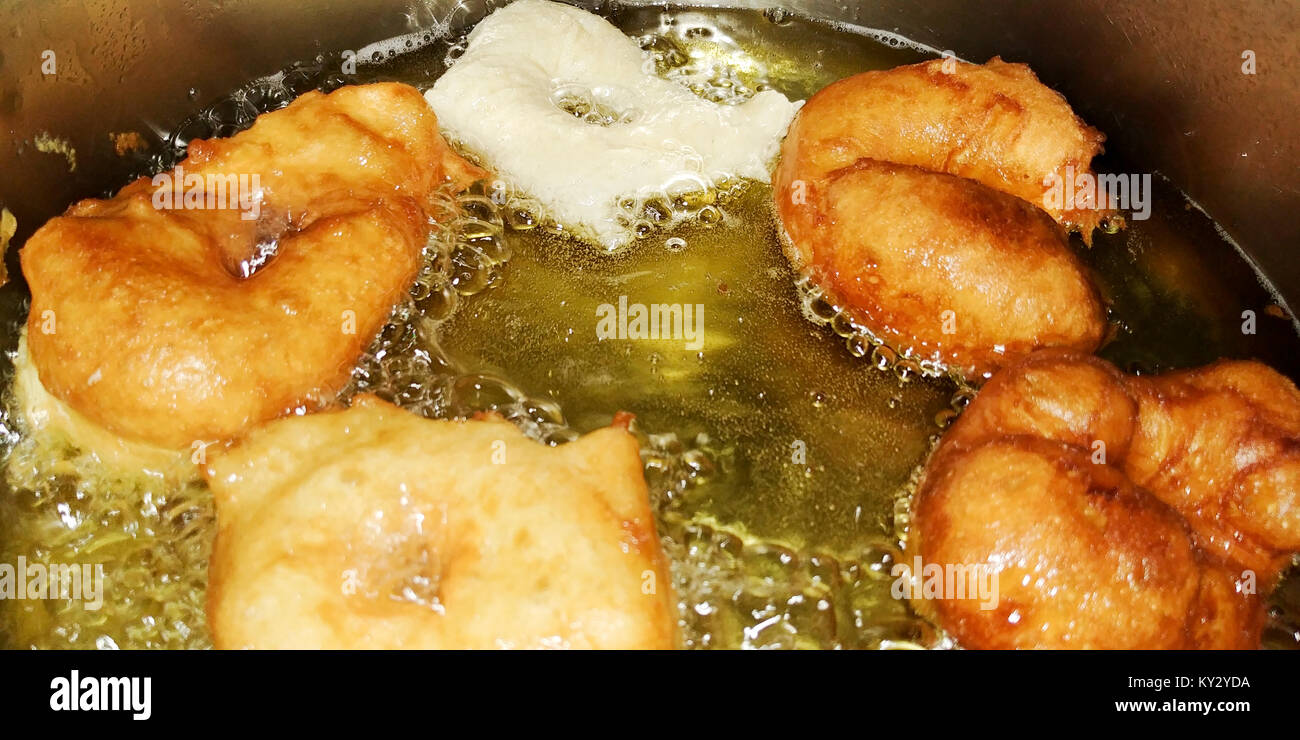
779,445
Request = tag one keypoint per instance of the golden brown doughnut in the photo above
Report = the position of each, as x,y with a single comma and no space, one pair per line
949,268
1083,558
1062,450
994,123
143,319
915,197
377,528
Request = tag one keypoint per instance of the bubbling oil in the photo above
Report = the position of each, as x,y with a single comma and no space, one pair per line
780,454
149,531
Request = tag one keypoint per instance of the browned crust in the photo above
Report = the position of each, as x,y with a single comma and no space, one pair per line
1216,448
155,334
971,146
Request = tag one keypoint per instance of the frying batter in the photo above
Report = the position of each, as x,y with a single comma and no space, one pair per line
174,322
1104,499
376,528
914,196
503,98
955,271
994,123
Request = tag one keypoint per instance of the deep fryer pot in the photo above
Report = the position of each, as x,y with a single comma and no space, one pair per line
1167,81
